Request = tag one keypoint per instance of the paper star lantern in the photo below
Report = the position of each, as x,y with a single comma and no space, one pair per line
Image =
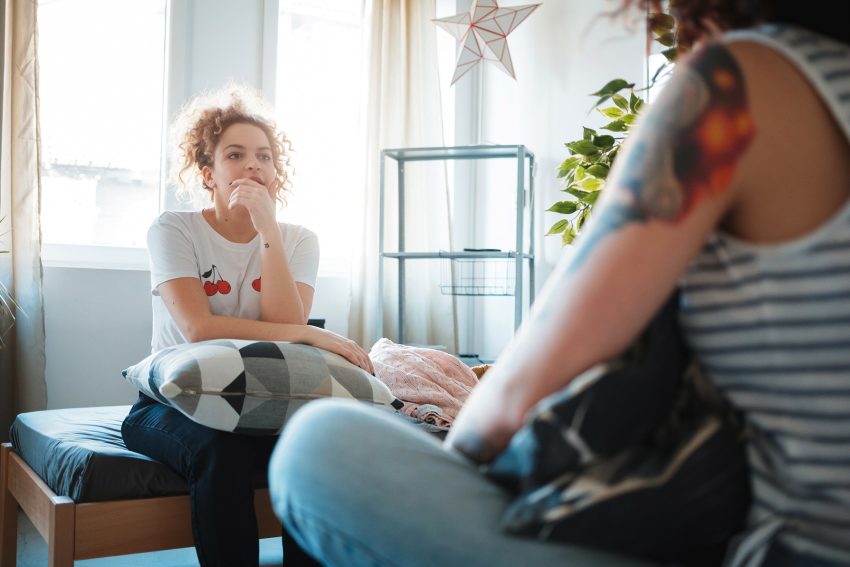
483,34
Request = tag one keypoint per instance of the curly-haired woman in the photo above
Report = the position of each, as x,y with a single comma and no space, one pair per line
229,270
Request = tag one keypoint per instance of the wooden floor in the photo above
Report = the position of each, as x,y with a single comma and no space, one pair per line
32,552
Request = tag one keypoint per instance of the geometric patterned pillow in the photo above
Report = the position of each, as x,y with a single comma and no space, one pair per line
251,387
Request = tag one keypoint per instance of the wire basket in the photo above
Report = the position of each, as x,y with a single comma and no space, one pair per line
477,276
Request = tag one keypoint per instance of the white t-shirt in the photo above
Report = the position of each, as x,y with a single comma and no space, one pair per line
183,244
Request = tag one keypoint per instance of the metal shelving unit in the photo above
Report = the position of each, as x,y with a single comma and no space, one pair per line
521,255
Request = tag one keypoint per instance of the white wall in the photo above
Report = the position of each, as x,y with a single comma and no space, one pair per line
98,320
564,51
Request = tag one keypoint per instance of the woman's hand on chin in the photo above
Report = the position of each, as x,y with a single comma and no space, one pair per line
346,348
255,197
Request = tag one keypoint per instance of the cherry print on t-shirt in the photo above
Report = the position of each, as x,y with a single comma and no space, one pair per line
256,284
217,285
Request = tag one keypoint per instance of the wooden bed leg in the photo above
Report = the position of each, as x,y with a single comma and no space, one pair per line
8,513
60,540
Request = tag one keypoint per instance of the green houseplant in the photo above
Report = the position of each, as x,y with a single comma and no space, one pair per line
584,172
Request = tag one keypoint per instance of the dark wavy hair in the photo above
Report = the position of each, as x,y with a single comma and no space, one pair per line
691,16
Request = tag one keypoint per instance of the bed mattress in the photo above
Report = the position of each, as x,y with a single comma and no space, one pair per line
79,453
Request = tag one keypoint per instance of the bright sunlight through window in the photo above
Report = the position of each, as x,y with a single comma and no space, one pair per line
101,90
317,100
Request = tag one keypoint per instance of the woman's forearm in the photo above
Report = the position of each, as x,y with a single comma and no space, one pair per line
280,301
210,326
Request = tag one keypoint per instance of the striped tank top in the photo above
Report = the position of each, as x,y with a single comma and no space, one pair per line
771,326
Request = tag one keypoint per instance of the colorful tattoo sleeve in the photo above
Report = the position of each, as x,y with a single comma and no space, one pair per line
687,148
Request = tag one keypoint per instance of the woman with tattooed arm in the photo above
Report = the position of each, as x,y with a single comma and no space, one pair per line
734,187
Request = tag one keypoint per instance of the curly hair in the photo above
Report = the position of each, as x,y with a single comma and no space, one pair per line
198,128
692,16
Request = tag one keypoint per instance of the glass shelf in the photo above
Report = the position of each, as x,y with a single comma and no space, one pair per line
457,152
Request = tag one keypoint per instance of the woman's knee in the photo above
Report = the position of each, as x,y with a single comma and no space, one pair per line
320,429
323,436
195,451
220,456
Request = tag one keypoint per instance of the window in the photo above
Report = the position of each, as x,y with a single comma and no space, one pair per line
318,60
101,90
104,99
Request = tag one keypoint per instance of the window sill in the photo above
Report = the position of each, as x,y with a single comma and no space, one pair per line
96,257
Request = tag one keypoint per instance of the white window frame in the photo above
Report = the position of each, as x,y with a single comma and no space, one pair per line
187,34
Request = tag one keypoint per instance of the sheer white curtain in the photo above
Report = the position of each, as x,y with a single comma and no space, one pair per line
402,109
22,360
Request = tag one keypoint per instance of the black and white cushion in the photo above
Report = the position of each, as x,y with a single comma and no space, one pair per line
252,387
639,455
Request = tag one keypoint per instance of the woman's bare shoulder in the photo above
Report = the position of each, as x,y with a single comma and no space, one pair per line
798,154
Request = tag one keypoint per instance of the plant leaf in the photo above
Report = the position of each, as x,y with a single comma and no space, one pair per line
616,126
558,227
628,118
612,87
670,54
598,170
580,173
621,101
581,218
592,184
592,198
604,141
568,236
564,207
568,165
589,133
635,103
610,112
583,147
577,193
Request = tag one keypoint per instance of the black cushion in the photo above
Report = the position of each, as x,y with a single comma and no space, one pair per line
641,455
79,453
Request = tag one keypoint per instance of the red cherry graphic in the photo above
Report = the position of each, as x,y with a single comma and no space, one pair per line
256,284
218,283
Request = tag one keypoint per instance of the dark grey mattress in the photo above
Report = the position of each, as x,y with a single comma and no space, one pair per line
79,453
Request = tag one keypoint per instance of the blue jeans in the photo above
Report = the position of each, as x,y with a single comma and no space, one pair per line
357,486
221,470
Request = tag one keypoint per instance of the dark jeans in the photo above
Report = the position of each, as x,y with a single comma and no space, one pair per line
220,468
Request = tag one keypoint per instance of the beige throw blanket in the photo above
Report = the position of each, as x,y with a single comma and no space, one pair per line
432,384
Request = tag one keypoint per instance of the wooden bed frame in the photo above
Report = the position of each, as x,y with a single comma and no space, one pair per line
97,529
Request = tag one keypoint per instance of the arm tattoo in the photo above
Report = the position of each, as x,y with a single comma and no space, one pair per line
687,149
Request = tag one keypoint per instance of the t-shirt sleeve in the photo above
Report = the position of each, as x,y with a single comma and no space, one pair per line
172,254
304,263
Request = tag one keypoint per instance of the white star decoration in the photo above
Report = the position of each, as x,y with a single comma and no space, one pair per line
483,32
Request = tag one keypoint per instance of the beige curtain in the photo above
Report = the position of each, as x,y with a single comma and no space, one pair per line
402,109
22,360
